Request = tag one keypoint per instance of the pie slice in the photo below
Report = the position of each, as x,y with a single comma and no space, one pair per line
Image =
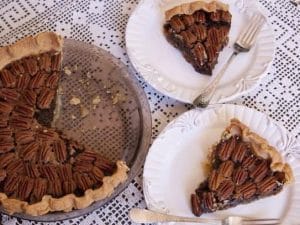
42,170
200,31
243,169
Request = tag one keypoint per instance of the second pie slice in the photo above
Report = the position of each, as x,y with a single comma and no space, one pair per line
243,169
200,31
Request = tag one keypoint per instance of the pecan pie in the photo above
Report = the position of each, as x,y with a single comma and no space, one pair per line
200,31
41,169
243,168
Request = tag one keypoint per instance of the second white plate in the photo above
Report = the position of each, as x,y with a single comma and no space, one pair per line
163,66
173,166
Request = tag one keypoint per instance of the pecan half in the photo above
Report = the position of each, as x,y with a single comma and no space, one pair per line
267,186
38,80
6,146
6,159
7,78
40,189
208,200
5,107
45,153
47,134
60,150
29,151
69,186
65,172
32,170
30,65
239,152
177,24
249,161
56,62
45,98
5,133
25,188
17,68
82,167
246,191
97,174
225,148
49,172
2,175
29,96
11,184
24,110
188,20
260,171
214,180
55,188
87,156
52,80
196,205
225,190
226,168
3,120
239,176
45,62
200,17
19,122
24,136
83,181
9,95
23,81
15,167
105,165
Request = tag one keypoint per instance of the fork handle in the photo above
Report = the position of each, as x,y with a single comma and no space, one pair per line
204,98
148,216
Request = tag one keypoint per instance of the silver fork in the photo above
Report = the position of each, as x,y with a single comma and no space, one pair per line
148,216
243,43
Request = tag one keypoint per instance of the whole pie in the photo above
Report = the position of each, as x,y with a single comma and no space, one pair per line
200,31
243,169
41,169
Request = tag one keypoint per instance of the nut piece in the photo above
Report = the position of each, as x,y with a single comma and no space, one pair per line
5,134
5,107
96,100
2,175
39,189
11,184
6,159
7,78
208,201
30,65
260,171
196,205
226,169
83,181
60,150
24,110
65,172
29,152
17,68
97,174
225,190
246,191
6,146
239,152
67,71
52,80
239,176
56,61
9,95
69,186
15,167
45,98
74,101
226,148
55,188
267,186
32,170
249,162
38,80
29,96
23,81
84,111
49,172
214,180
45,62
25,187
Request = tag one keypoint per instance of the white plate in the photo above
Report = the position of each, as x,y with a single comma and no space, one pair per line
173,166
163,66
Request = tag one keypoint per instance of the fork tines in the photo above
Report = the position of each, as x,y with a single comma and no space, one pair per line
269,221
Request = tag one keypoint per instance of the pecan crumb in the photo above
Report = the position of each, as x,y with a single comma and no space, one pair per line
74,101
84,111
96,100
73,117
67,71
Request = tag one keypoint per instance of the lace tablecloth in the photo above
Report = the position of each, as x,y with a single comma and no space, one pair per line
103,23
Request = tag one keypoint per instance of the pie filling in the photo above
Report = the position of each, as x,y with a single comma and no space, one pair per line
35,159
199,36
238,175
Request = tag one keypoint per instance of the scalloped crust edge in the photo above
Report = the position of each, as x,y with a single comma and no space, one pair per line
68,202
261,148
31,45
190,8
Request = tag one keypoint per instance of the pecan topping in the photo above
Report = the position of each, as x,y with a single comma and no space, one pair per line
249,162
7,78
45,62
2,175
200,53
17,68
45,98
225,148
260,171
69,186
20,123
49,172
11,184
97,174
6,159
52,80
24,110
225,16
214,180
5,107
226,168
55,188
267,186
32,170
246,191
45,153
82,167
31,66
23,81
87,156
15,167
47,134
38,80
196,205
199,16
60,150
208,201
225,190
83,181
215,16
200,31
188,20
177,24
3,120
65,172
25,187
24,137
188,38
239,152
239,176
6,146
9,95
105,165
5,133
29,152
40,188
29,96
56,62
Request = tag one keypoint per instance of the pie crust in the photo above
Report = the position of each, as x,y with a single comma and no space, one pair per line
32,47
